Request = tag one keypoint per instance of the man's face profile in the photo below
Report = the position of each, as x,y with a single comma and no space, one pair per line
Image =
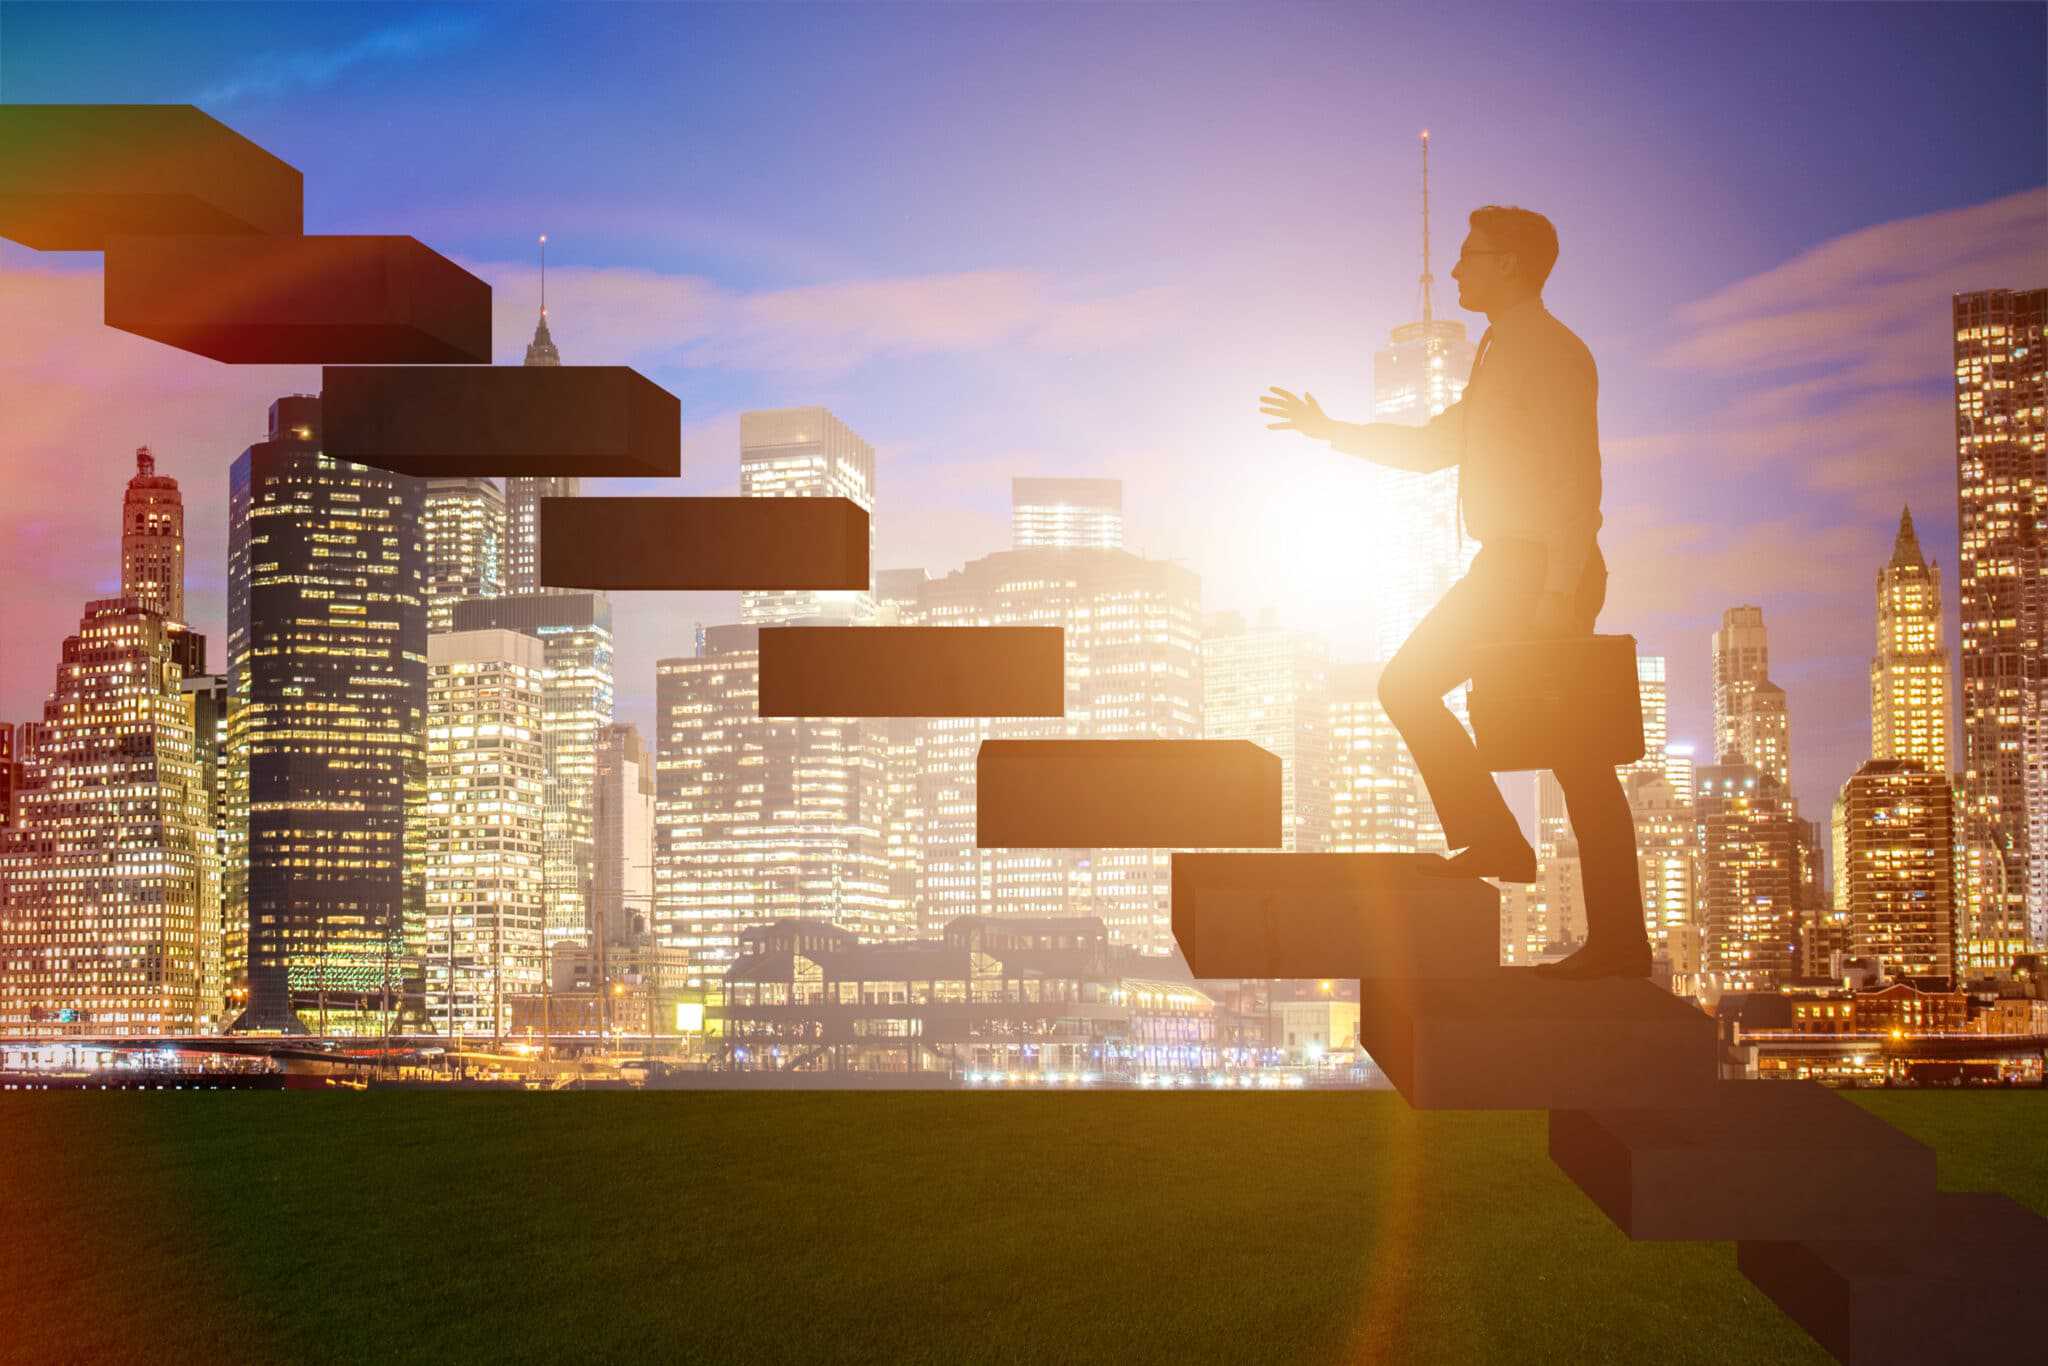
1484,272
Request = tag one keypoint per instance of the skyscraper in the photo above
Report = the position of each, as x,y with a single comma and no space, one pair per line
760,818
1133,670
806,453
2001,376
107,918
1899,832
463,531
153,541
1378,804
1909,673
622,884
575,630
523,494
327,636
1272,687
1750,714
480,944
1066,514
1667,857
1419,373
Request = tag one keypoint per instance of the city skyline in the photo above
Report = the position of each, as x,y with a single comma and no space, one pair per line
866,318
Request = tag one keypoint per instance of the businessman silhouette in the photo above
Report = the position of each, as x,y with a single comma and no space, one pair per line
1526,442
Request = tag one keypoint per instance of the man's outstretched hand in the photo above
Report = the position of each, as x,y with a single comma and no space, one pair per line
1302,414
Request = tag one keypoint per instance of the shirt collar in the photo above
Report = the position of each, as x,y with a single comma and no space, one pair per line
1520,316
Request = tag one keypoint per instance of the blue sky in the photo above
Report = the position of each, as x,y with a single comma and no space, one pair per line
1041,239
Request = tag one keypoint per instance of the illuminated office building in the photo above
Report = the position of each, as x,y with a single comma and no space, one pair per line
1751,719
1909,673
1679,767
806,453
107,919
760,819
1133,671
1667,859
1899,833
1272,687
575,630
479,946
153,541
327,637
1378,804
1066,514
1750,884
2001,397
206,707
463,532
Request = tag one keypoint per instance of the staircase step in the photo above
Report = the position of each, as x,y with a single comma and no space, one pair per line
703,543
1767,1159
1511,1040
913,671
1331,915
506,420
75,175
1126,794
1964,1285
299,300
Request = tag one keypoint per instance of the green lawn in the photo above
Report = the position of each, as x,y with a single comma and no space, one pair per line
706,1226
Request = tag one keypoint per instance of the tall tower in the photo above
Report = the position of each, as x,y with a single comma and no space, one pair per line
2001,370
1421,372
1750,714
1272,687
1749,896
1909,674
327,661
806,453
153,540
523,495
1898,824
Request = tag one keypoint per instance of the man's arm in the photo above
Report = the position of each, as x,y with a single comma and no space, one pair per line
1418,449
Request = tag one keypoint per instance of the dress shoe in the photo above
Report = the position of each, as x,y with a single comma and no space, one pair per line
1503,861
1595,960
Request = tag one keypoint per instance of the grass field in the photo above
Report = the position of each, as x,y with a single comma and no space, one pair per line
828,1227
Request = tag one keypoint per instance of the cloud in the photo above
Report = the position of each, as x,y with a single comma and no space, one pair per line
653,318
278,73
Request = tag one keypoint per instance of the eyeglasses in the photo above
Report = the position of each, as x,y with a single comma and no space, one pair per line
1486,251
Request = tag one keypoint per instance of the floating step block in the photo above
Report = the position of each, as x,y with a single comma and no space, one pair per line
1512,1040
599,420
1964,1285
74,175
1331,915
1767,1159
704,543
913,671
1126,794
299,300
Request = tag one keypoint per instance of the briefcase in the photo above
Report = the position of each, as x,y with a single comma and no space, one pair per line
1552,703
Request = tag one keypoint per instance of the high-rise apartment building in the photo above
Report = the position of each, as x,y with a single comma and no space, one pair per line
479,945
107,922
1899,837
1066,514
1909,673
463,532
1679,767
575,631
2001,396
153,541
622,882
1378,804
1750,896
327,661
206,706
1272,687
1668,859
806,453
760,818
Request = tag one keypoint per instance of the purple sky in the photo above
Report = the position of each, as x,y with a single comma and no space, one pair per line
1053,239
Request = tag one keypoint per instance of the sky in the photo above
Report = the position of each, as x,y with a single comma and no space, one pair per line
1056,239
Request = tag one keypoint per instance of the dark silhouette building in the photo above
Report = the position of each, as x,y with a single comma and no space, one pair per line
327,634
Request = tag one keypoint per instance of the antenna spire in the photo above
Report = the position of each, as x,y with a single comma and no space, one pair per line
1428,280
543,275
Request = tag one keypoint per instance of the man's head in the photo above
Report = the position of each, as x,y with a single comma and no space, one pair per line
1506,258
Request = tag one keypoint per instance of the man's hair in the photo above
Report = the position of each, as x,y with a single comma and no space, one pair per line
1524,232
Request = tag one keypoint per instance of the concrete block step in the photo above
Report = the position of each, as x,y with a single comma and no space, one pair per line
913,671
1126,794
703,543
